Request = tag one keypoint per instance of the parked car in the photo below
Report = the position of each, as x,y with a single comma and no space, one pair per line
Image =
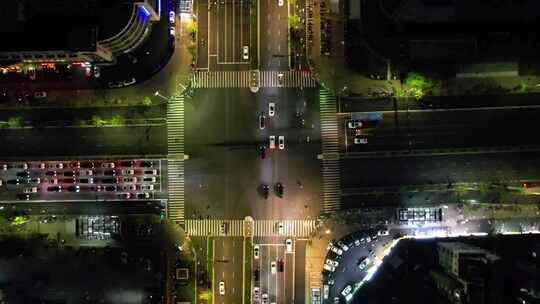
221,288
146,164
256,251
360,140
354,124
108,165
281,141
261,121
54,189
40,94
143,195
329,268
332,263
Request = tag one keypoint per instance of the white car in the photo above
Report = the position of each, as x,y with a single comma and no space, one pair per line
280,79
256,251
281,141
343,246
332,263
256,293
273,267
107,165
272,140
382,232
172,17
280,2
221,288
347,290
271,108
86,172
288,245
245,52
329,268
354,124
363,263
97,71
31,190
172,31
334,249
280,227
264,298
360,140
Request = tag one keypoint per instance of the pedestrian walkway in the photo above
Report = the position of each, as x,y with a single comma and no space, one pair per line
175,145
330,150
240,79
211,227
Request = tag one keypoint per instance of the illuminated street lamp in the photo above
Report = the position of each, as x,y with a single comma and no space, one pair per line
327,231
159,95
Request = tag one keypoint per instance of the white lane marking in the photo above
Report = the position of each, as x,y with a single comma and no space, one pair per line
279,48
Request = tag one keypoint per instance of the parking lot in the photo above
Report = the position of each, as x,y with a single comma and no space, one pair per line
349,260
84,180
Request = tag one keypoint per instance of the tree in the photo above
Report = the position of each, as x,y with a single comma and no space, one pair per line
419,85
147,101
118,120
294,21
16,122
205,295
97,121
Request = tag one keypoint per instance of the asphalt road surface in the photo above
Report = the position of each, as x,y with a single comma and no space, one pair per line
361,175
225,170
274,35
448,129
228,262
226,31
58,142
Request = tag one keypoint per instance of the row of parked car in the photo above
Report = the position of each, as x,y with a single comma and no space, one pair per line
78,165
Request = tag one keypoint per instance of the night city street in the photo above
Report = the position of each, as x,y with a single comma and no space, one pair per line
269,152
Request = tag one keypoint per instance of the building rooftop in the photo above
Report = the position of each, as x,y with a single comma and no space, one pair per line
60,24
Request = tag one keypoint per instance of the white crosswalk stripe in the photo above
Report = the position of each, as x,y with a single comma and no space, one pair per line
175,146
240,79
211,227
329,142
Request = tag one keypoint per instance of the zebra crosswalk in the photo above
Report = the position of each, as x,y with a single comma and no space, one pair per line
211,227
175,147
241,79
329,142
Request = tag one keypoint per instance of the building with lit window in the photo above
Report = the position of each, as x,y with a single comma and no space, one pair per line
469,274
73,31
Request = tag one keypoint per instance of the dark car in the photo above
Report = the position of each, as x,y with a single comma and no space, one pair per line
69,173
146,164
108,181
281,265
23,196
23,174
67,181
279,189
256,274
74,188
109,172
13,182
262,152
127,163
50,173
86,165
86,180
265,190
124,195
143,195
110,188
54,189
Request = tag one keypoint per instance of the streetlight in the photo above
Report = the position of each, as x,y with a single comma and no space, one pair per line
159,95
327,231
